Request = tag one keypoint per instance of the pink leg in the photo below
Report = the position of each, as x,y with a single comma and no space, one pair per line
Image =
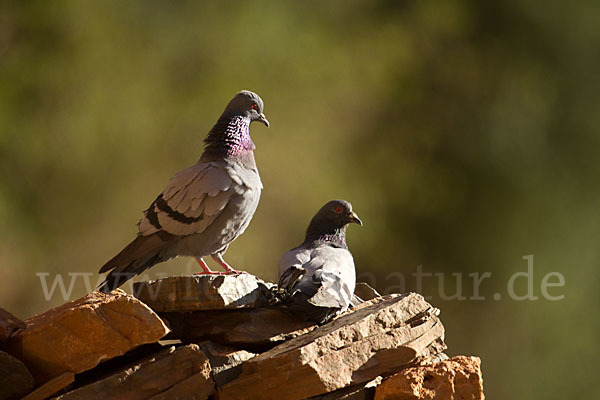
205,269
228,270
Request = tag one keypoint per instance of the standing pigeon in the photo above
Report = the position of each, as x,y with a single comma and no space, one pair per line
319,275
204,207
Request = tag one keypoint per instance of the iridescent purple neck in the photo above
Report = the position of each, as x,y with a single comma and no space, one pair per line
229,138
332,236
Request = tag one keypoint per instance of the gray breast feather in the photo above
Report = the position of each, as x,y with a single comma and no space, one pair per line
243,175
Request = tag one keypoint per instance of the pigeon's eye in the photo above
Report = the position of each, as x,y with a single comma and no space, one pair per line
338,209
254,106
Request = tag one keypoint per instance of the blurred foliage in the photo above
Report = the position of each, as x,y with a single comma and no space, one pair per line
465,133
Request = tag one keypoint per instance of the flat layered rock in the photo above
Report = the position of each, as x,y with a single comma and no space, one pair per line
378,337
453,379
78,335
15,379
196,387
258,328
9,325
175,373
51,387
225,362
362,391
202,292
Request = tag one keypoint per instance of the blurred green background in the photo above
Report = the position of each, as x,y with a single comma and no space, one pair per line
465,133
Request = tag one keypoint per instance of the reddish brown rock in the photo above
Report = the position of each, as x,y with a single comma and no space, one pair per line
225,362
196,387
458,378
257,328
78,335
15,379
378,337
51,387
175,373
9,325
202,292
362,391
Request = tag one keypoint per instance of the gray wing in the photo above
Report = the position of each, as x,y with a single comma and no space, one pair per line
193,199
329,279
294,258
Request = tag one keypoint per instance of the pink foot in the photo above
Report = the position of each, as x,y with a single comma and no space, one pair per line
228,270
234,272
205,269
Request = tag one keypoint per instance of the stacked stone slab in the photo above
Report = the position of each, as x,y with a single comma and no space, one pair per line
191,337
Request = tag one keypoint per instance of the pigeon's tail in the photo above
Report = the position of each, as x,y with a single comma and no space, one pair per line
138,256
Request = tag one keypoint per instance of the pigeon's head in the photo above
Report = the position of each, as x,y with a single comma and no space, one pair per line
336,214
248,104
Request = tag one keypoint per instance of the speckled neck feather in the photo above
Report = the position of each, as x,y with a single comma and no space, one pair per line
229,138
326,234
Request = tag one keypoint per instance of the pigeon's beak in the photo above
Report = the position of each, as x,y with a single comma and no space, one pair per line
352,217
263,119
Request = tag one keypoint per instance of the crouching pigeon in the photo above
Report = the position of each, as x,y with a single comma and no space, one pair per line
204,207
319,276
